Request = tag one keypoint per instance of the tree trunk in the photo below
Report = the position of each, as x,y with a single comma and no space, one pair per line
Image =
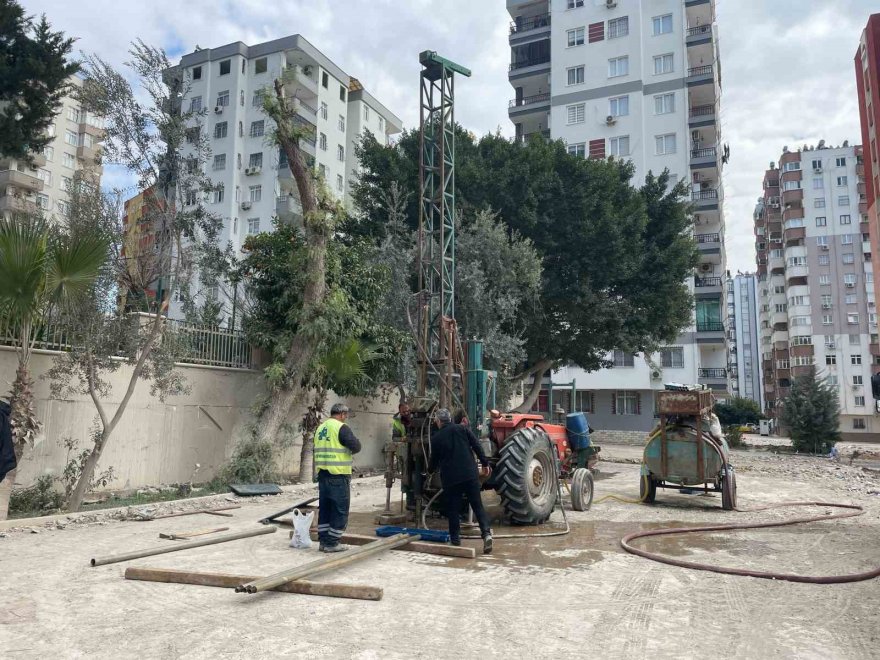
310,423
85,478
538,371
5,493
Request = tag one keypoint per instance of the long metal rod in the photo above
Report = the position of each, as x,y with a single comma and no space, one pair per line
137,554
360,592
424,547
326,564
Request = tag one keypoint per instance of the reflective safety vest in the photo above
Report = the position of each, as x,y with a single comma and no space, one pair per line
330,454
397,427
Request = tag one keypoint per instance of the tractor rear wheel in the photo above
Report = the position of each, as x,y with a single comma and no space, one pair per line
527,479
581,490
728,489
647,489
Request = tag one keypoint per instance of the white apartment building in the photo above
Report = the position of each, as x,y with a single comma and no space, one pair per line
816,281
744,342
634,79
43,184
253,180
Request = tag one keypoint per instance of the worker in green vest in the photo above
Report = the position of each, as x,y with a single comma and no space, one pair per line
335,444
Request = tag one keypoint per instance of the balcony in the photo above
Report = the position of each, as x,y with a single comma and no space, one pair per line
21,180
707,287
297,83
702,115
710,332
705,200
526,104
308,112
88,154
714,378
529,25
90,129
708,243
700,75
15,204
543,134
288,208
700,34
704,157
527,67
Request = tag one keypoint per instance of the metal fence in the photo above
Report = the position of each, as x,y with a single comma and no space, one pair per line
48,337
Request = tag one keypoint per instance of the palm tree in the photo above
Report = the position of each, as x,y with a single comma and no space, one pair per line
41,269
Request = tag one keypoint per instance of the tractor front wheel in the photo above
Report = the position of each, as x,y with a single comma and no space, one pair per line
527,479
581,490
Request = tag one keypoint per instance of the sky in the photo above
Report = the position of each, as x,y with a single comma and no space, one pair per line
787,65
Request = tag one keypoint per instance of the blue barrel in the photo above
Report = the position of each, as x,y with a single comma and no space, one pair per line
578,430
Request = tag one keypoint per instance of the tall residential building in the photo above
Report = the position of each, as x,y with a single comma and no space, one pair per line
43,184
253,180
635,79
816,281
744,365
867,63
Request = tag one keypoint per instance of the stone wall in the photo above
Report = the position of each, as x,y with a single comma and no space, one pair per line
619,437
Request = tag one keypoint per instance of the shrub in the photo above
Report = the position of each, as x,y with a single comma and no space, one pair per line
37,498
252,463
734,436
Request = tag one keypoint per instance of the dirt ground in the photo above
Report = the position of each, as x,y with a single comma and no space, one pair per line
563,597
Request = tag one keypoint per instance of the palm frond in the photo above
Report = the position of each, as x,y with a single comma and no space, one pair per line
74,264
24,245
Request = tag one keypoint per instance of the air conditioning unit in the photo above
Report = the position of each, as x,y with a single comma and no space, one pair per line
610,120
252,170
823,248
817,170
774,204
705,268
656,375
850,285
826,305
218,109
611,4
307,70
245,206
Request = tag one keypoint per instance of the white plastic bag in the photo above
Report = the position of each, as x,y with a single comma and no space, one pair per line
302,522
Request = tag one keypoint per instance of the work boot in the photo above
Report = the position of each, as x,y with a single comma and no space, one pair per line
456,543
487,544
334,548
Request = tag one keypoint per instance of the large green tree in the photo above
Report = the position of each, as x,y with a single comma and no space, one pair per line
615,257
811,413
738,410
34,77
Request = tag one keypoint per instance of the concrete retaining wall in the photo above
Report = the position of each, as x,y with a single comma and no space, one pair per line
638,438
162,442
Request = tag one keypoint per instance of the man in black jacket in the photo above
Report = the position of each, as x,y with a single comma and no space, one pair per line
7,450
452,450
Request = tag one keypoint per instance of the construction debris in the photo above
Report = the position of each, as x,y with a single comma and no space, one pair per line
182,536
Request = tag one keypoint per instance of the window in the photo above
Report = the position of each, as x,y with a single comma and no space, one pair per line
822,240
68,160
623,359
840,162
253,226
664,104
366,113
342,93
849,258
325,79
340,123
824,260
619,146
45,176
665,144
851,299
800,320
241,93
841,181
829,341
792,185
43,201
261,65
579,149
190,198
63,207
256,160
818,183
662,24
71,138
792,166
195,104
852,318
663,64
220,162
618,27
626,403
819,203
73,115
575,37
827,319
381,124
322,170
257,98
849,279
322,141
225,67
575,113
845,219
618,66
672,358
221,129
258,128
218,194
340,183
223,98
197,73
575,75
255,193
859,423
855,359
821,221
584,401
857,380
817,164
618,106
240,129
66,183
323,110
340,153
832,380
846,239
859,401
49,153
574,4
238,160
843,200
831,359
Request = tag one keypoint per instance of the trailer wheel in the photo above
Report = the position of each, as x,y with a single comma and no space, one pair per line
581,490
728,489
527,479
647,489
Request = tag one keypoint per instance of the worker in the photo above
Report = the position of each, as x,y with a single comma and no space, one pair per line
335,444
400,422
452,451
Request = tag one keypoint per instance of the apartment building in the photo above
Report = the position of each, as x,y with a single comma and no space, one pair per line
867,62
252,179
634,79
816,281
744,342
43,184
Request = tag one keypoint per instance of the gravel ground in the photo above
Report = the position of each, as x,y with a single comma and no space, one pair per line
561,597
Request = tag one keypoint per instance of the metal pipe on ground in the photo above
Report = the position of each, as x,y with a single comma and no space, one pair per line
137,554
424,547
325,564
357,591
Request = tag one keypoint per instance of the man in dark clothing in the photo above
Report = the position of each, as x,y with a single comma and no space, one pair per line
452,450
335,443
7,450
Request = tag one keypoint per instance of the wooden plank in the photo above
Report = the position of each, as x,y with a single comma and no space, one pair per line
424,547
182,536
216,512
360,592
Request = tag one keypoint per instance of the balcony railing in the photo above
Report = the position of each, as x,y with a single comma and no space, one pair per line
708,238
710,326
530,23
707,281
702,110
544,134
705,70
528,100
704,152
712,373
709,193
526,63
698,30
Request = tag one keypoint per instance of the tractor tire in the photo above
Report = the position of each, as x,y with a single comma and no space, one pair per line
581,490
647,489
527,478
728,489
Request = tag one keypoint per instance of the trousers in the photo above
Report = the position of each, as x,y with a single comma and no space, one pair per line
453,494
334,497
